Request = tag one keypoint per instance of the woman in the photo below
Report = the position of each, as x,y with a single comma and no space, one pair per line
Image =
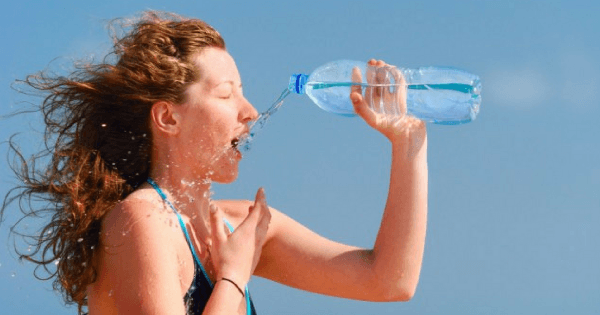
137,144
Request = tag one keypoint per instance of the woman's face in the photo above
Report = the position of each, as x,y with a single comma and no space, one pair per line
214,116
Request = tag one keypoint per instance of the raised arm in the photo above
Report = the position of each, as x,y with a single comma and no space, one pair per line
398,250
295,256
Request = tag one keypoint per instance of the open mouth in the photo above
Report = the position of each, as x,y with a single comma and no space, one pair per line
235,142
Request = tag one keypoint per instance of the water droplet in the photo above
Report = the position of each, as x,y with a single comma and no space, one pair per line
13,274
83,264
103,125
92,247
79,240
132,138
57,261
110,293
186,183
144,135
128,152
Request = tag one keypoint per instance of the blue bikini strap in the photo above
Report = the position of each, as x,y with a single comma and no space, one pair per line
182,225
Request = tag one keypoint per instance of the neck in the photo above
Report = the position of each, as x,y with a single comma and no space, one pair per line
189,194
184,191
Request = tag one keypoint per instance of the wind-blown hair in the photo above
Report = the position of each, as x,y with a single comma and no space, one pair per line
98,140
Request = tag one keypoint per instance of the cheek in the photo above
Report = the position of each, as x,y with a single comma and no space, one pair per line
211,126
207,141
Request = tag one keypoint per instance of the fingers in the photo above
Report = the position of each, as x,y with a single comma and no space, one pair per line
378,78
356,90
216,223
260,198
257,212
383,106
395,94
370,93
262,209
356,78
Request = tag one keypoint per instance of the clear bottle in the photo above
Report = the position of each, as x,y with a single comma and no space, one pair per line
433,94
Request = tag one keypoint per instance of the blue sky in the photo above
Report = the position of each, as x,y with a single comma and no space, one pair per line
514,203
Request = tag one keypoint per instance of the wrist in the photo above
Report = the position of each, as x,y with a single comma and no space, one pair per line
410,149
234,284
233,276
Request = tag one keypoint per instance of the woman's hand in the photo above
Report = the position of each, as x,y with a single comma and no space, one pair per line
236,255
384,107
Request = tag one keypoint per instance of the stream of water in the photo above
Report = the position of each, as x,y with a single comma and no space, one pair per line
245,143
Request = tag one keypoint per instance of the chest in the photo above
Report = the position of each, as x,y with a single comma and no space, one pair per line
196,280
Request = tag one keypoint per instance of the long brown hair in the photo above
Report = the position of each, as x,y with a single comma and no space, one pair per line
98,140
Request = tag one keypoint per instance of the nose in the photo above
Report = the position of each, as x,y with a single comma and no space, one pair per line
247,112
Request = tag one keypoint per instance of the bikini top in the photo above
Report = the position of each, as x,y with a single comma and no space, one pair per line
199,292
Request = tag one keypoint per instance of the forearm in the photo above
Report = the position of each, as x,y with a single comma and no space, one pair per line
225,299
398,250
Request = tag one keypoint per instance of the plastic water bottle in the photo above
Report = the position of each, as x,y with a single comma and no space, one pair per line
433,94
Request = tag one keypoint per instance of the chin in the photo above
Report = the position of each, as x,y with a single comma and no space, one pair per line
226,177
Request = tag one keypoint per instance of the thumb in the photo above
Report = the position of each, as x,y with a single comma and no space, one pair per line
356,90
216,222
361,108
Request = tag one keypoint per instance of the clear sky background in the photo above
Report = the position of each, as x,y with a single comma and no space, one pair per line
514,197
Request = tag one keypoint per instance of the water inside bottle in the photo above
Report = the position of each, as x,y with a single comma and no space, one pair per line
445,104
458,87
245,143
440,103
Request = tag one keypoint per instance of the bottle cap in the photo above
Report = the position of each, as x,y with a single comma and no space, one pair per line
297,83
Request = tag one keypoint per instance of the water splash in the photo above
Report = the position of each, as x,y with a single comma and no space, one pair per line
255,126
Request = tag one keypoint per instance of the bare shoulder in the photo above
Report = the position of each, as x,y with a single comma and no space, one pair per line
141,214
138,262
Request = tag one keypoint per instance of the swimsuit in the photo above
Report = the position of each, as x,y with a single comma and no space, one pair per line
199,292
